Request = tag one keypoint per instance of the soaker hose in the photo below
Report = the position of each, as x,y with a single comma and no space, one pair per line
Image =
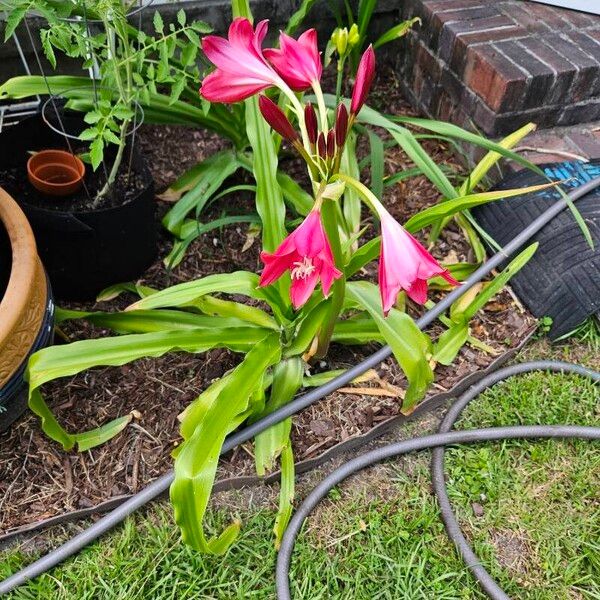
437,441
161,485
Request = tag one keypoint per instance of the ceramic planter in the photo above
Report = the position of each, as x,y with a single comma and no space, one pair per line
26,307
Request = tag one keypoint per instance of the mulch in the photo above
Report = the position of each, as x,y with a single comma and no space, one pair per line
39,480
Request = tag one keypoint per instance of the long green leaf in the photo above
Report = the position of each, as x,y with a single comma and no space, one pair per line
286,494
197,458
492,288
363,256
298,17
238,282
63,361
377,164
451,130
269,199
450,342
301,201
482,168
411,347
208,179
451,207
396,32
351,202
287,380
160,109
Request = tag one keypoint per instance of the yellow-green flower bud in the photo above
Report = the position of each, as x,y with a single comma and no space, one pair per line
339,39
353,36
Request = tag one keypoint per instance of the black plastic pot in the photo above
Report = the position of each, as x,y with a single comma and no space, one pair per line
84,251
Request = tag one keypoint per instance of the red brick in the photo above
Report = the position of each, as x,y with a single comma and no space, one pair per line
463,41
550,16
580,113
540,84
444,5
519,12
428,62
450,31
587,83
494,78
586,43
577,19
564,70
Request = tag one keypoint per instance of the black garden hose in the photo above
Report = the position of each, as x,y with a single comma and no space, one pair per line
158,487
437,441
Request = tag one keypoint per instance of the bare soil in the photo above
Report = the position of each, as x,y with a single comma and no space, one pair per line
39,480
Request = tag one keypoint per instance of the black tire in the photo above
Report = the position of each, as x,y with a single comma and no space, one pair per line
562,280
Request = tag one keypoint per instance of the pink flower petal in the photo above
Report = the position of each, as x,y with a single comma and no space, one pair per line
302,289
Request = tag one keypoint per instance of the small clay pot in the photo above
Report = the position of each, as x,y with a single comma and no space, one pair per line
55,172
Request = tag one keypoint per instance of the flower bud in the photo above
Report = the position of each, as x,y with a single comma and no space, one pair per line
353,36
276,118
364,79
331,144
312,127
339,38
341,125
322,145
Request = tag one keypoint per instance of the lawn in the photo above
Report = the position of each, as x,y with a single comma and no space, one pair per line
532,509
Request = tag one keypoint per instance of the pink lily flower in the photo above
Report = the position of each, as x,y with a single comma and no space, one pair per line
298,62
242,70
306,253
404,265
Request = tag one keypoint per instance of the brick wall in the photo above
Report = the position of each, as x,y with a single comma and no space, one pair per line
496,66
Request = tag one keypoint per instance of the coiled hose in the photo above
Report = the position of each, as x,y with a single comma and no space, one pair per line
158,487
438,441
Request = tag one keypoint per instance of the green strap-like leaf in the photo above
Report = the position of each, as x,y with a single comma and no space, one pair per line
451,207
62,361
208,179
286,494
269,200
450,342
196,461
287,380
410,345
492,288
238,282
148,321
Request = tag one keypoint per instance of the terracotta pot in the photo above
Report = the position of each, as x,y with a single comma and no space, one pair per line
26,307
55,172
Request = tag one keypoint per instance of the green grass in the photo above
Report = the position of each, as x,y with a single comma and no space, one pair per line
379,536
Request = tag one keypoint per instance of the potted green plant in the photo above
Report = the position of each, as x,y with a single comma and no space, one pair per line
103,231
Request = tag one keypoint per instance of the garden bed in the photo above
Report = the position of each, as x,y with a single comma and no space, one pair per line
39,480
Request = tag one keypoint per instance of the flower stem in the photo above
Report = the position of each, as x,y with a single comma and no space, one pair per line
330,222
367,195
316,86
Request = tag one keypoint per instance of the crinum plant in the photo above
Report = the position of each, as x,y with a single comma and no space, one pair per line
308,295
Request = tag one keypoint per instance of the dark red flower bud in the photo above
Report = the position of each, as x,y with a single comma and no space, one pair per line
312,127
322,145
331,144
276,118
341,125
364,79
